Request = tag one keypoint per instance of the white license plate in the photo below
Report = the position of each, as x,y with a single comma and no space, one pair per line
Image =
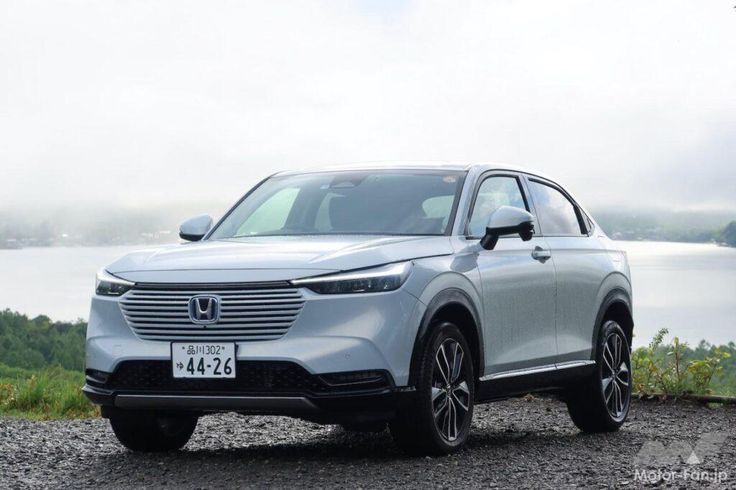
203,359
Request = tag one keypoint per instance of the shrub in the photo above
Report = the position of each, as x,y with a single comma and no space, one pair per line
673,369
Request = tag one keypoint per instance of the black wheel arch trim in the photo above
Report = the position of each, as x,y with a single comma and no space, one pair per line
446,297
616,295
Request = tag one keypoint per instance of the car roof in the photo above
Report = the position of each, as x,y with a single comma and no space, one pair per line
417,165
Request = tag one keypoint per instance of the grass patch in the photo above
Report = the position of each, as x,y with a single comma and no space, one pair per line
52,393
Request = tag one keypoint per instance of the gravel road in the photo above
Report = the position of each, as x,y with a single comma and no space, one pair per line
521,443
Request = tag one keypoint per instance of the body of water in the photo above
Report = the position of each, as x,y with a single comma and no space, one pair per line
688,288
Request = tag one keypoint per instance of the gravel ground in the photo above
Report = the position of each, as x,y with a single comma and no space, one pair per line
521,443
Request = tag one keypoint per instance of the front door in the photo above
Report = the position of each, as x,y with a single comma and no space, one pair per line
518,285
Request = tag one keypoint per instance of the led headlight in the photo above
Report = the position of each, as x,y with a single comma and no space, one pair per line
376,280
109,285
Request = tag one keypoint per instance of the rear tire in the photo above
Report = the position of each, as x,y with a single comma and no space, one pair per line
602,403
150,432
438,419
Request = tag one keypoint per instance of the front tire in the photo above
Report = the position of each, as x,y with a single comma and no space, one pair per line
438,419
150,432
602,403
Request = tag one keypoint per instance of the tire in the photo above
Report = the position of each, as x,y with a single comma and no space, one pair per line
443,395
602,403
149,432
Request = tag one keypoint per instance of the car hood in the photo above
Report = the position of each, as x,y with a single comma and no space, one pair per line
256,259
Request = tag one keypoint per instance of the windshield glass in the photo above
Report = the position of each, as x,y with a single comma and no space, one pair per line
355,202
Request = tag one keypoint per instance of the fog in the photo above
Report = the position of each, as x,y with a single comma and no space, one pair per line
140,103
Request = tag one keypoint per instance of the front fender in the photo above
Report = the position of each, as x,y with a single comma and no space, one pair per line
455,288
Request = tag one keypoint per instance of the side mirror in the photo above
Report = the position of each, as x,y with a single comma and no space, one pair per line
507,220
195,228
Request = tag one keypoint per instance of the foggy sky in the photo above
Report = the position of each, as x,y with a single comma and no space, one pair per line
144,101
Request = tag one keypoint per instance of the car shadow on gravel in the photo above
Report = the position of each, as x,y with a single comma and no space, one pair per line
333,443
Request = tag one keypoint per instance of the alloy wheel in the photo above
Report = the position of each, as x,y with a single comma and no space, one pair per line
450,393
616,376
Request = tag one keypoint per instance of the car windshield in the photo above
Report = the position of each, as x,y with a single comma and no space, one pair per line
355,202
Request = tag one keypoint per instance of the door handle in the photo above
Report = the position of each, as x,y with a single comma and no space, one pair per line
541,254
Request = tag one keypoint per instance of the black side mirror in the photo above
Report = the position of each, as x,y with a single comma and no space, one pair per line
507,220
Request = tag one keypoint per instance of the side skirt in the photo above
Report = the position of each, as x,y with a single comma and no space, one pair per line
552,378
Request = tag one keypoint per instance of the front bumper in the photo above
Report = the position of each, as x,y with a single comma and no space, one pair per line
264,388
332,334
345,358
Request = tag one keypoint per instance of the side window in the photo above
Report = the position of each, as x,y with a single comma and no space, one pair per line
494,192
556,214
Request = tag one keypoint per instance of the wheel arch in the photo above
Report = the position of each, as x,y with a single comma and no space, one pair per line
456,306
616,305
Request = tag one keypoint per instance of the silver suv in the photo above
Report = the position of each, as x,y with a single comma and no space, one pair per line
369,295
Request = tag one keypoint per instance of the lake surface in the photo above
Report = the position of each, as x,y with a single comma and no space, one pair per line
688,288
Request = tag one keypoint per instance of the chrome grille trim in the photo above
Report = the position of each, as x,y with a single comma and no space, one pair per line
247,311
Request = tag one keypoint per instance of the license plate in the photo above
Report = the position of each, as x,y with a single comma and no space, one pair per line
203,360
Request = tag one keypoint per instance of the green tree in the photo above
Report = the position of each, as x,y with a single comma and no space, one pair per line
36,343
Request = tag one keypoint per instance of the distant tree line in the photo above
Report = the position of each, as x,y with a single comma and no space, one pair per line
692,228
728,235
38,343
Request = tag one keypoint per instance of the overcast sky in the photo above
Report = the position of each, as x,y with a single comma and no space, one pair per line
140,101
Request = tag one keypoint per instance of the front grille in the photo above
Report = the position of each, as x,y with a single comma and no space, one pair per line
247,311
252,377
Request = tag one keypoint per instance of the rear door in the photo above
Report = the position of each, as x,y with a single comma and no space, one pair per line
580,264
517,282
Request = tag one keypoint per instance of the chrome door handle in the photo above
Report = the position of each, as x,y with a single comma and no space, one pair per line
541,254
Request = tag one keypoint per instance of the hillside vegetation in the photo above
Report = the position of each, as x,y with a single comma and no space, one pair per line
42,368
728,235
39,343
695,227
